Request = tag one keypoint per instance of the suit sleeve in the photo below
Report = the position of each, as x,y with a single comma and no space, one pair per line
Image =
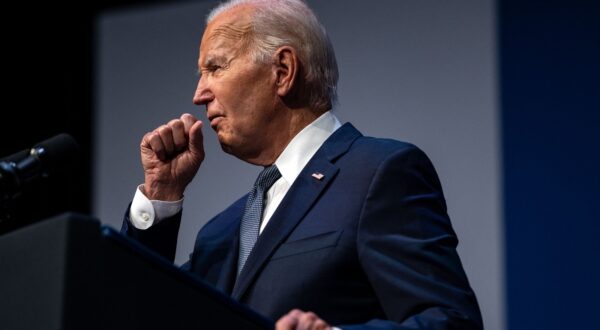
160,238
407,248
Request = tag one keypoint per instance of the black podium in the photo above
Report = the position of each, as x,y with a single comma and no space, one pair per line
69,272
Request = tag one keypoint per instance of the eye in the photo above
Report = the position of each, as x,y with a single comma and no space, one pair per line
211,69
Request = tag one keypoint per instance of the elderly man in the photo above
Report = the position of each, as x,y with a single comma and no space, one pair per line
339,228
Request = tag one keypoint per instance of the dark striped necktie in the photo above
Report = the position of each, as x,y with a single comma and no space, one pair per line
250,225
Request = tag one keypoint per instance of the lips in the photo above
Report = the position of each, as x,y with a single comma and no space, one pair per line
214,120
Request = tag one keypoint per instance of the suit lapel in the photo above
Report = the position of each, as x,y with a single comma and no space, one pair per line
299,199
233,216
229,272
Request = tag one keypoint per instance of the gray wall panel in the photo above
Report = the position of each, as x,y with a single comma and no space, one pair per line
419,71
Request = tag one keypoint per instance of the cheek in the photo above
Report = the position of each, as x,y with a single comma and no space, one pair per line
239,105
245,101
233,99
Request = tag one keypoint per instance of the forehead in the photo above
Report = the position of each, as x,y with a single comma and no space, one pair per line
224,34
217,47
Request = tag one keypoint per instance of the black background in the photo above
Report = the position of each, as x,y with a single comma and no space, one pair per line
48,69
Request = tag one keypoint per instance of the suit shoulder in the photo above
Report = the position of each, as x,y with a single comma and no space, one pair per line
381,153
385,147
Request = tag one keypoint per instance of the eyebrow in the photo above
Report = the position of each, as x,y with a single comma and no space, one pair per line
212,60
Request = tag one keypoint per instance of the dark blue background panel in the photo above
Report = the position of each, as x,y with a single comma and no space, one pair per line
550,90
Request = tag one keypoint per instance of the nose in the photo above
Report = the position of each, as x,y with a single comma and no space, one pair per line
203,94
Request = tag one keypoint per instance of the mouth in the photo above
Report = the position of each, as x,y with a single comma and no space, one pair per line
214,120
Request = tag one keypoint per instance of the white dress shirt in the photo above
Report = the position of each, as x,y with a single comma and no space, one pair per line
144,212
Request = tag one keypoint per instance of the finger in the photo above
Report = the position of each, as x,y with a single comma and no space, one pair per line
321,325
287,322
290,320
152,141
197,140
166,135
306,321
188,120
296,313
179,136
145,144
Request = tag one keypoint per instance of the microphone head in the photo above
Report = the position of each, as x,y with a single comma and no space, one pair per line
51,157
59,150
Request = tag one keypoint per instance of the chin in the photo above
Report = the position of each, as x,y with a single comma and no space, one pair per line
229,147
226,149
241,153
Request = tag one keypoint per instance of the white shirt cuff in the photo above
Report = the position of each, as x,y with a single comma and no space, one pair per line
144,212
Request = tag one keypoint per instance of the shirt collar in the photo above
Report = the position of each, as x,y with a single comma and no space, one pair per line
304,145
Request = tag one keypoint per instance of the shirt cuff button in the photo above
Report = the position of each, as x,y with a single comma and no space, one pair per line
145,216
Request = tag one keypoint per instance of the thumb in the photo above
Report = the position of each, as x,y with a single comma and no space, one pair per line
197,140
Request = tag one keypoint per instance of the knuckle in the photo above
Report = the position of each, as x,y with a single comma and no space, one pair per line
187,116
307,318
320,324
146,139
164,129
309,315
150,137
175,123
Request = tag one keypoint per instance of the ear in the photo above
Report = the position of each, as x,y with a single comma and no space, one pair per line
286,68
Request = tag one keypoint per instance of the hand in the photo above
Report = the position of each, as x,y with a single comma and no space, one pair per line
300,320
171,156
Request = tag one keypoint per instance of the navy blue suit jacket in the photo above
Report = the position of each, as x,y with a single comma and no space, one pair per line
369,245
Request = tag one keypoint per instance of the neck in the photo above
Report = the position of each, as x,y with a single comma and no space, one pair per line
283,130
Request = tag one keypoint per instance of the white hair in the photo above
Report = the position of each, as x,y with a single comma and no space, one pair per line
277,23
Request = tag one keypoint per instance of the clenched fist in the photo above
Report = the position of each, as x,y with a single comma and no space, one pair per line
171,156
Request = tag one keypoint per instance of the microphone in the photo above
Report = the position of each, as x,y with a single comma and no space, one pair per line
21,169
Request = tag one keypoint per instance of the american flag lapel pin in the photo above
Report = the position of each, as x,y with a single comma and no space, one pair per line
317,175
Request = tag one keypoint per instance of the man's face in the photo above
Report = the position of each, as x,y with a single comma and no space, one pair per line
239,94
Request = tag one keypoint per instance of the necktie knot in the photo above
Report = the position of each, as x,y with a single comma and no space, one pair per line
266,178
250,225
